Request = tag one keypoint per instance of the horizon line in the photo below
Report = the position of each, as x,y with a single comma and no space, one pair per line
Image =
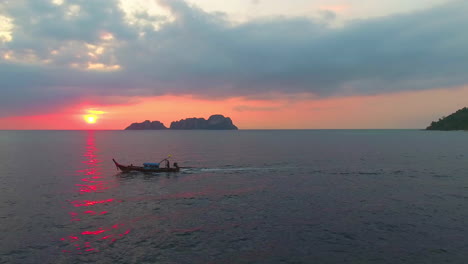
249,129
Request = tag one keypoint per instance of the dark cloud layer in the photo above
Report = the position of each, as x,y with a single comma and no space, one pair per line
207,55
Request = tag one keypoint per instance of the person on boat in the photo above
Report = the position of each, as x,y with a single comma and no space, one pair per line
168,164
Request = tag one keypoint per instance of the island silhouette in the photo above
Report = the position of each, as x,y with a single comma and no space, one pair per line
455,121
214,122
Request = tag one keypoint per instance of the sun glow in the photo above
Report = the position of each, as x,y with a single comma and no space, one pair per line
92,115
90,119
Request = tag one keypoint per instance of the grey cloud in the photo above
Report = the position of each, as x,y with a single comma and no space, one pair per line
41,26
422,50
43,19
205,54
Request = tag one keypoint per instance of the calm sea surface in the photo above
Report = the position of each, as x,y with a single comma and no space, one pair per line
305,196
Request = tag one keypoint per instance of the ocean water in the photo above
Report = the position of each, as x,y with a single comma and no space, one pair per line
290,196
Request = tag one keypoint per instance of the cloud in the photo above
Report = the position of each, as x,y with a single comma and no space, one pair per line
249,108
64,52
335,8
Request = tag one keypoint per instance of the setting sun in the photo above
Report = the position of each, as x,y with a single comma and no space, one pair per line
90,119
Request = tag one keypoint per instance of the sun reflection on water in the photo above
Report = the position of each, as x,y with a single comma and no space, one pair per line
88,211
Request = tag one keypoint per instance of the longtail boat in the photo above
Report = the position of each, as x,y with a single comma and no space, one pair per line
148,167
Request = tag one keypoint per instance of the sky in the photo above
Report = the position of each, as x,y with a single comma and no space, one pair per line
267,64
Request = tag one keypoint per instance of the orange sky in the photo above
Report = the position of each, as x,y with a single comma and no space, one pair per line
399,110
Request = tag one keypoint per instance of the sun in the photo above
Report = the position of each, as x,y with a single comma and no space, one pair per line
90,119
92,115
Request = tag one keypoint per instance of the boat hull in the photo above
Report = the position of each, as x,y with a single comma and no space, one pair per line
130,168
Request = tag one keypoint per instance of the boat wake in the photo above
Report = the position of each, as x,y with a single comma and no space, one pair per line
231,169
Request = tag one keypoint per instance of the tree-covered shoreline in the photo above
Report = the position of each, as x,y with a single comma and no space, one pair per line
455,121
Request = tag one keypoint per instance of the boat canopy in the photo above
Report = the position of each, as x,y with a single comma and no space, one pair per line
151,165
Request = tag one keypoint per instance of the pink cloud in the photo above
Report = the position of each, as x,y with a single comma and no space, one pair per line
336,8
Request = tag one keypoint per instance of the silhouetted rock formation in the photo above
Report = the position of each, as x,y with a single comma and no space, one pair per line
220,122
455,121
147,125
215,122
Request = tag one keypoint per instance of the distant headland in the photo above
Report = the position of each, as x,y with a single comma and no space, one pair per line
455,121
214,122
